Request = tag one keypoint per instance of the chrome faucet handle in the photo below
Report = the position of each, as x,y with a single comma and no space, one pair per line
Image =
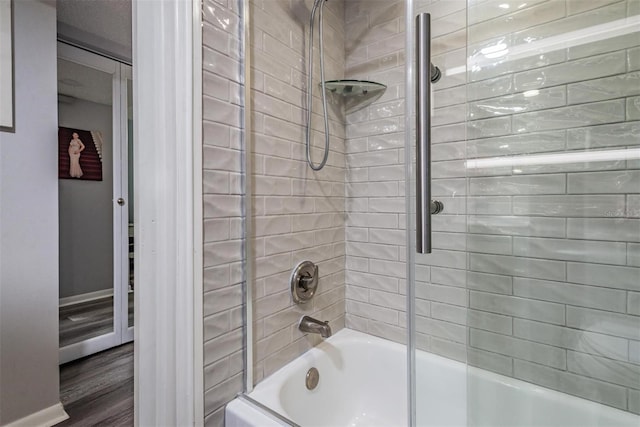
304,282
309,280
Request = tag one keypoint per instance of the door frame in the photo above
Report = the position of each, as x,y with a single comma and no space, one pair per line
167,90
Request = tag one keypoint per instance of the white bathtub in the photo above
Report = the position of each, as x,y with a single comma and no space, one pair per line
363,383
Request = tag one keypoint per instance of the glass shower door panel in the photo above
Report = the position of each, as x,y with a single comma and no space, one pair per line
553,218
440,297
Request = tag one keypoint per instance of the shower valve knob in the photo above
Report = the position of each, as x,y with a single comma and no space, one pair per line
304,282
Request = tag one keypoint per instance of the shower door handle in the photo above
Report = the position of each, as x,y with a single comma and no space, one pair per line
423,133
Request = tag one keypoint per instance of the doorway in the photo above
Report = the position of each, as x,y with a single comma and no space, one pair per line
95,209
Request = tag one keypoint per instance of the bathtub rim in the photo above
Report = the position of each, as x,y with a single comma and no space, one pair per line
265,410
351,335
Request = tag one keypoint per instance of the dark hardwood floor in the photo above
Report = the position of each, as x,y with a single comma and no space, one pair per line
98,390
79,322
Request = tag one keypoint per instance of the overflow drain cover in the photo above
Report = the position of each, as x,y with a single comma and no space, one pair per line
311,381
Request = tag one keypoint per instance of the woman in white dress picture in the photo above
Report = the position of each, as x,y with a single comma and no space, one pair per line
75,148
79,154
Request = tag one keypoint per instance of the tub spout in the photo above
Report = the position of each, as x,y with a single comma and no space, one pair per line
311,325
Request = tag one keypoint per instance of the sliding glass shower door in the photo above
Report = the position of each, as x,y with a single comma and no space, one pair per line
436,123
534,276
553,158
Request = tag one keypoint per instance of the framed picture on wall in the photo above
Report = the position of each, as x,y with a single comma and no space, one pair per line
79,154
7,91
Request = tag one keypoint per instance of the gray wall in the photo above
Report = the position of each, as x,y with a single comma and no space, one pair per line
86,210
29,223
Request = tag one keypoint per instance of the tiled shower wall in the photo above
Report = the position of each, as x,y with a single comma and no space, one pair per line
376,222
298,213
553,280
553,249
375,171
223,192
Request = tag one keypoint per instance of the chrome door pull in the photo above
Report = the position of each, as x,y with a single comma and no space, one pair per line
423,134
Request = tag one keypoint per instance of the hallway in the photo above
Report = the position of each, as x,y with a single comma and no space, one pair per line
98,390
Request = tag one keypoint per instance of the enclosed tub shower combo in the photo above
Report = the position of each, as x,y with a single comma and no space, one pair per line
442,213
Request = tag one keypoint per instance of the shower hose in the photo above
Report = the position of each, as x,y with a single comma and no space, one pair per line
318,5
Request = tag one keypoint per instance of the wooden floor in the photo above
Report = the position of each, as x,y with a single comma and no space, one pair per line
98,390
79,322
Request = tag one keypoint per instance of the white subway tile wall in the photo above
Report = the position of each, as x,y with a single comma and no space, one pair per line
299,214
548,253
535,270
376,228
560,306
374,45
223,193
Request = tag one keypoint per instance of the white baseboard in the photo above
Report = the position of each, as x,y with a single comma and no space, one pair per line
46,418
89,296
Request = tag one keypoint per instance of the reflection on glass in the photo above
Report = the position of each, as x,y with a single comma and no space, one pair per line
555,159
553,175
130,197
85,209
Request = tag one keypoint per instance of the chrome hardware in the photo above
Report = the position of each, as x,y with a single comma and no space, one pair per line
435,74
120,201
304,282
312,379
436,207
314,326
423,132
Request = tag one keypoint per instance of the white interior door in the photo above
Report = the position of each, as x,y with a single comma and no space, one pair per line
94,229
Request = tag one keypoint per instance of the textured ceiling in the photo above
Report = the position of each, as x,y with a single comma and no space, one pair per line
101,25
80,82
